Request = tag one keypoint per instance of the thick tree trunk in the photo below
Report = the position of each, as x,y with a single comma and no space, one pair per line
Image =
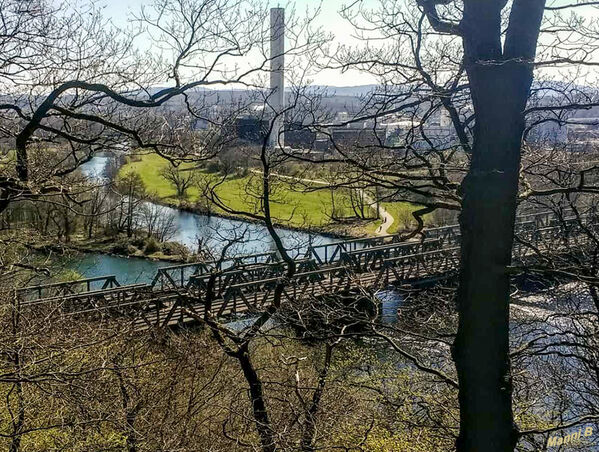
487,224
500,81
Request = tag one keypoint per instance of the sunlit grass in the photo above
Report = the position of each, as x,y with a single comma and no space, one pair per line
289,205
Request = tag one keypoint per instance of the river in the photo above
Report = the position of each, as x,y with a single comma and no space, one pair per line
214,232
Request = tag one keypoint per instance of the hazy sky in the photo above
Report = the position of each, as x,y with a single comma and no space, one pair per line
119,10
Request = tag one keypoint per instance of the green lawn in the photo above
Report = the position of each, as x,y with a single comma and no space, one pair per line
288,206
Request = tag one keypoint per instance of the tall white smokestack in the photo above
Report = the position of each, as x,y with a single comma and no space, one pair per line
277,73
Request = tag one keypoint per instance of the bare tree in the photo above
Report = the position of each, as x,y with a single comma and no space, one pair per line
74,85
132,196
181,180
158,221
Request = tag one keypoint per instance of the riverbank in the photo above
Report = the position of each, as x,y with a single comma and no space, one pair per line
339,230
118,246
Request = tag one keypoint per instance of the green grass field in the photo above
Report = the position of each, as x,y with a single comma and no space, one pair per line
288,206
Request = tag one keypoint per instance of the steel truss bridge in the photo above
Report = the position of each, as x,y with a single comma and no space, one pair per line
245,284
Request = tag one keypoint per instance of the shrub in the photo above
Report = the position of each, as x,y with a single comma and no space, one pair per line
213,167
121,246
133,158
138,242
68,274
204,206
152,246
242,171
174,249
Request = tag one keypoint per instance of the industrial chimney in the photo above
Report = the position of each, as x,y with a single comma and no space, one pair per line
276,99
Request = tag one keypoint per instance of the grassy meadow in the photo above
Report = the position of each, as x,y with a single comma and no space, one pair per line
290,205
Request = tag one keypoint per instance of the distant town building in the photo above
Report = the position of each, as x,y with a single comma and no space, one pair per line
251,129
581,130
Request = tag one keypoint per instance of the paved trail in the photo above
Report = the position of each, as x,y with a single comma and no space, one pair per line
383,214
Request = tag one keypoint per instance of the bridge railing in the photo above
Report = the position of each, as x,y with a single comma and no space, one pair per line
367,258
67,288
99,300
448,234
331,252
419,266
556,238
178,276
368,253
544,218
222,281
254,295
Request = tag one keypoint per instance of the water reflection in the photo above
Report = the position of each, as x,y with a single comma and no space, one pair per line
127,270
214,232
390,300
94,169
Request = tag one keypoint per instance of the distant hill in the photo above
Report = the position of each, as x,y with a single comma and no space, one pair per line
333,98
352,91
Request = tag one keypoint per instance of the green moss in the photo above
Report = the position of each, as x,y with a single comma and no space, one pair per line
67,275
